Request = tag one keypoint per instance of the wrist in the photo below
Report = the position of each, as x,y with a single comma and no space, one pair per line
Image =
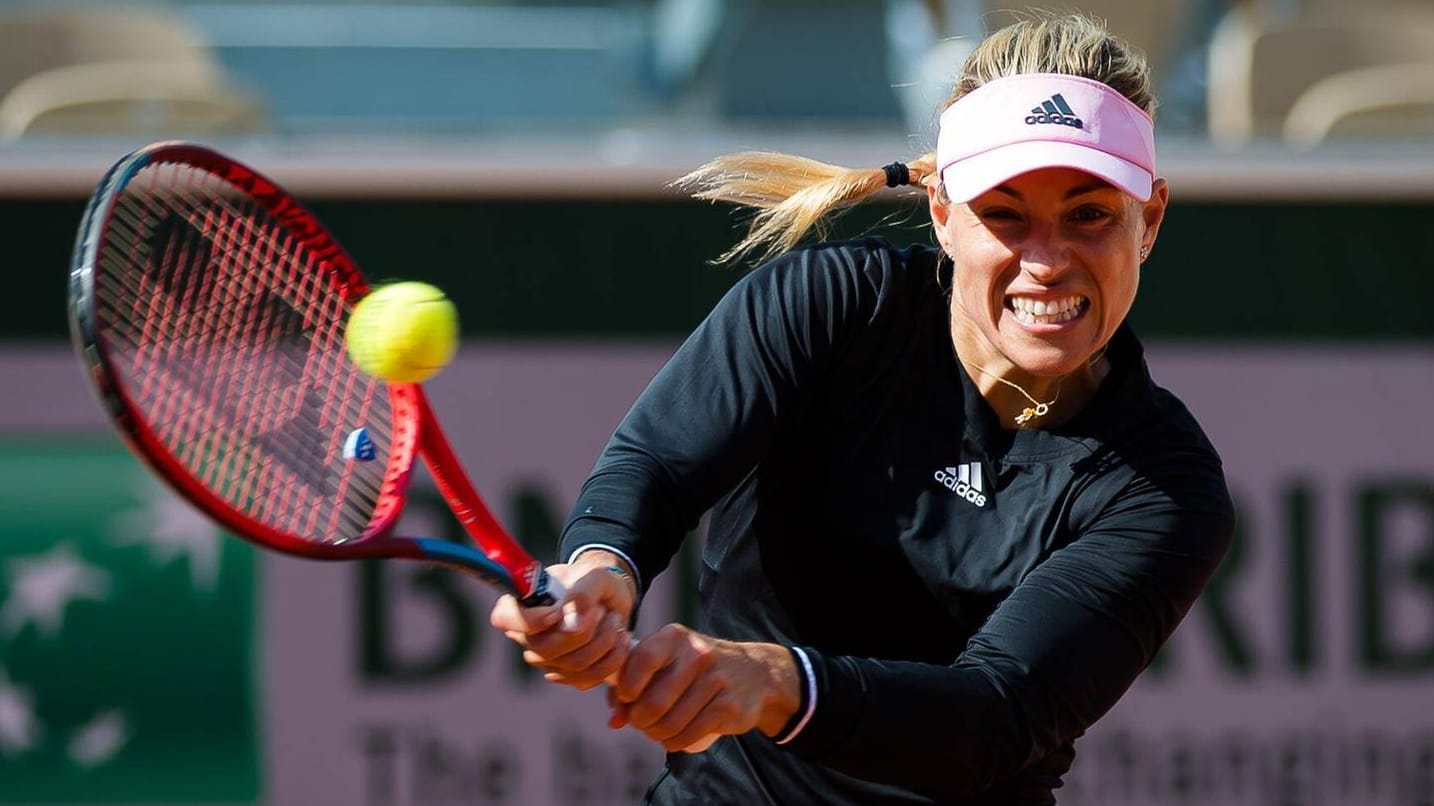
600,559
782,697
599,556
620,571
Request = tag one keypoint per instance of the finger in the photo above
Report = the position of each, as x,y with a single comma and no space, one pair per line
688,707
558,642
580,683
661,694
717,718
561,678
696,746
647,658
572,616
607,636
599,673
589,588
607,667
507,615
618,718
588,672
582,594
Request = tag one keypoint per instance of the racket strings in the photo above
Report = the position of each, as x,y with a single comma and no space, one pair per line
255,312
229,332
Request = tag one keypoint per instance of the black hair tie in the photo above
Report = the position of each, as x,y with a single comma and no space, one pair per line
897,174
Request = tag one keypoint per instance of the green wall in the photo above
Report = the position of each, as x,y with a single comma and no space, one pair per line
637,268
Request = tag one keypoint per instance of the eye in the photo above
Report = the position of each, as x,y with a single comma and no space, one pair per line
999,214
1088,213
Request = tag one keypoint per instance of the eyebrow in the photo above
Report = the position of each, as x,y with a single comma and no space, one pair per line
1079,190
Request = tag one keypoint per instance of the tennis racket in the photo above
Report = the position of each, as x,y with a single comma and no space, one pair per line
209,308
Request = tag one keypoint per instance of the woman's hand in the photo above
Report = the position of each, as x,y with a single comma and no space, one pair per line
683,689
583,639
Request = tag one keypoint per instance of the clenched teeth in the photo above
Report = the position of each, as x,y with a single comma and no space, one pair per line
1046,311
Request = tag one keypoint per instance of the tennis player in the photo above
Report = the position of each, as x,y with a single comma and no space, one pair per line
952,515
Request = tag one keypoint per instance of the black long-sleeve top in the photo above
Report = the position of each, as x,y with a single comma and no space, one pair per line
970,598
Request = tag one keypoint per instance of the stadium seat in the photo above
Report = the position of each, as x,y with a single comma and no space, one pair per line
1155,28
121,71
1380,102
157,99
1259,68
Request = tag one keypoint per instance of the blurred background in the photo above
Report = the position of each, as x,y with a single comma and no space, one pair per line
518,154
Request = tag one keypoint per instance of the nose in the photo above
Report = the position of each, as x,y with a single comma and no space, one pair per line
1045,255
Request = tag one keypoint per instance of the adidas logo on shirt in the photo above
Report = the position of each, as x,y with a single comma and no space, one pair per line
1055,110
965,481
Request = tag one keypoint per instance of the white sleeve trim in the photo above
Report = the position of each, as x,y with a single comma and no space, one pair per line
811,696
636,574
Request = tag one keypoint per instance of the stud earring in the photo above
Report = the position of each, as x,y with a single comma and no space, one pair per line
1144,252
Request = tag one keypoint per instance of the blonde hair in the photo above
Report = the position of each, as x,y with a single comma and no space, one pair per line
795,195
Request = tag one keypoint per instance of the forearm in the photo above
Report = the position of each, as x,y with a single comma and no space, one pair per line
624,509
1053,658
940,729
710,415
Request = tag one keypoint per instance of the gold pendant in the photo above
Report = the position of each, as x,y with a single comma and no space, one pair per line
1027,414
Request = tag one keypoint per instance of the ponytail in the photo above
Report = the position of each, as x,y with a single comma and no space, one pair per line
793,195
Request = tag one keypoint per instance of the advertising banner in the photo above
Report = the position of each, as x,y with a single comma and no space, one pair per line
126,635
1304,676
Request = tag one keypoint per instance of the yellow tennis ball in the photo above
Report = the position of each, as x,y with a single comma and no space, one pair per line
403,332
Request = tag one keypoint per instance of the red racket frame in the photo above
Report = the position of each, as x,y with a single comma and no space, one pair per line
415,428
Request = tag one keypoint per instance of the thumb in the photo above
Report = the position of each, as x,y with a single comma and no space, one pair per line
591,594
595,584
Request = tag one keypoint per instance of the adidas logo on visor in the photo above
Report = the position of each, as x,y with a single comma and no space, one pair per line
1055,110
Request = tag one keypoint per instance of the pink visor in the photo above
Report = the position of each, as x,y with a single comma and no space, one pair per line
1020,123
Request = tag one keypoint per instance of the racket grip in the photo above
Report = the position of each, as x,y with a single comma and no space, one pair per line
547,593
556,589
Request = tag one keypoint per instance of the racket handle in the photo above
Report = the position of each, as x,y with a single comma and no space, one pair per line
547,591
556,589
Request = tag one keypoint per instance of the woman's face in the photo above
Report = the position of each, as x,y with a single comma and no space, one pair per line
1047,265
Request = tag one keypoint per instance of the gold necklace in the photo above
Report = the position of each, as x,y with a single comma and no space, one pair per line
1037,408
1031,412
